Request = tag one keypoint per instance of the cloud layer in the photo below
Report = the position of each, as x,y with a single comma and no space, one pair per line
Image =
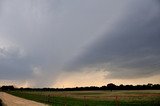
42,39
131,48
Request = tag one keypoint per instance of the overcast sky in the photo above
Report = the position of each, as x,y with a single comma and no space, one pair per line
56,43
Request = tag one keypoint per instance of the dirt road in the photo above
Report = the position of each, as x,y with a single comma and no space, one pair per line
10,100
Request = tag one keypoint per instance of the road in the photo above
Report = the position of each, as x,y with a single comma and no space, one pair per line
10,100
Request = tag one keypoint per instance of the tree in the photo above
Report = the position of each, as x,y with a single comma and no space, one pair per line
111,86
5,88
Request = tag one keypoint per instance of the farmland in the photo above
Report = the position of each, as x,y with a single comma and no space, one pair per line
93,98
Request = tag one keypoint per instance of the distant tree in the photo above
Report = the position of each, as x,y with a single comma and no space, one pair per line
103,88
121,87
156,86
111,86
5,88
149,86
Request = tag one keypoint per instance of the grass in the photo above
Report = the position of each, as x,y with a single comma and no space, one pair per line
93,98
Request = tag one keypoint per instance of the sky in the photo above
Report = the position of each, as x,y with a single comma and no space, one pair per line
69,43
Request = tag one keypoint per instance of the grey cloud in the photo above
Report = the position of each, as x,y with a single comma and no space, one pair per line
51,33
131,48
13,64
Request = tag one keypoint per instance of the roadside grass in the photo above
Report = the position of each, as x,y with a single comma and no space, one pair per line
90,98
61,101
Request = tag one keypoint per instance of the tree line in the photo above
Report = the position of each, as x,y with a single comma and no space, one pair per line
109,86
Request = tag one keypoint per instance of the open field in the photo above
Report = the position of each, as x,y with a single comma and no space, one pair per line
94,98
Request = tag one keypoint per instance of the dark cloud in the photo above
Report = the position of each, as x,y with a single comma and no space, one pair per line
13,63
131,48
50,33
40,38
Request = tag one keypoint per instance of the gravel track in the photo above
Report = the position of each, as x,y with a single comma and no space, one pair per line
10,100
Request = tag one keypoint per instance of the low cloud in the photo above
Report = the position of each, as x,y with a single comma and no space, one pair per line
131,48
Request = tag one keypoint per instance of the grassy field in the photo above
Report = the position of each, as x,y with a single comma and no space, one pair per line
94,98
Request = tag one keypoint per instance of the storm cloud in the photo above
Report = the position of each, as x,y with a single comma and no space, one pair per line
42,39
131,48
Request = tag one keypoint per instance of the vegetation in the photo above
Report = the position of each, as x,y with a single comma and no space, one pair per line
5,88
93,98
109,86
109,95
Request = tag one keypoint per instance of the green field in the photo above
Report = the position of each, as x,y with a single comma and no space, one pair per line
93,98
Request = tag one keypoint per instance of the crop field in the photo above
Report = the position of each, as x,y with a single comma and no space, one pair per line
93,98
